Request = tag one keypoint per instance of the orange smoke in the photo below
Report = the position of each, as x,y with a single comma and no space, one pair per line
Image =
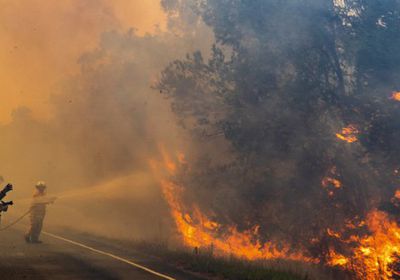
42,40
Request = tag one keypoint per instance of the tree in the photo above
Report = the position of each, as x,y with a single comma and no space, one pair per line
299,72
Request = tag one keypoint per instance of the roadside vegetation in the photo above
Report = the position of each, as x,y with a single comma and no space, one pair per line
205,265
213,267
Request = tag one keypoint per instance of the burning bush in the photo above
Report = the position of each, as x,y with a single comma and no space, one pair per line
271,119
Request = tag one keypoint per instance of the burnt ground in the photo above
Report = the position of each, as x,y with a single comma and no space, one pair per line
56,259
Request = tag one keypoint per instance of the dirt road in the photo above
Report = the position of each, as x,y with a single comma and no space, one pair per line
72,257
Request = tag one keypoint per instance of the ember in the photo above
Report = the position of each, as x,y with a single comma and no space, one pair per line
397,194
330,183
396,96
348,134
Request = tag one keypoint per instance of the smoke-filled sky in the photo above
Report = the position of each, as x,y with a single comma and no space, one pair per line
79,109
41,41
259,96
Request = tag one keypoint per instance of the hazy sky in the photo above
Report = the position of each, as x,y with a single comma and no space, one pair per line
41,40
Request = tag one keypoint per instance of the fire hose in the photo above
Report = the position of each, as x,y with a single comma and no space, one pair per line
92,249
16,221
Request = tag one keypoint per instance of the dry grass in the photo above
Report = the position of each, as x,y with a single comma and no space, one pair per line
204,263
238,269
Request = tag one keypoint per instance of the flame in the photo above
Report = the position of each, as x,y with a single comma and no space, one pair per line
336,259
371,255
348,134
330,183
397,194
197,230
374,254
169,164
332,233
396,95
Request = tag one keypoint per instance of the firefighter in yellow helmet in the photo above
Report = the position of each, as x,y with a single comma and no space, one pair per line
38,212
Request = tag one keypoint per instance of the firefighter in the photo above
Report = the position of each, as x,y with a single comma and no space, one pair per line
3,204
38,212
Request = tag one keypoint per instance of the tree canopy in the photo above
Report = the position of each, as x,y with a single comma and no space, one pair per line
284,79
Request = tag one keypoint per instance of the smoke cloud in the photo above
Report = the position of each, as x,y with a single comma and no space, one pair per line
41,42
93,136
287,114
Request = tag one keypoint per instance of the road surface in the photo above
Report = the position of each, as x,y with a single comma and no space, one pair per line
72,257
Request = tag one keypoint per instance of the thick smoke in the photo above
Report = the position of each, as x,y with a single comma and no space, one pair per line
107,124
42,40
263,110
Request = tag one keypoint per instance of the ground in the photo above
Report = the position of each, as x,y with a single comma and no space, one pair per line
60,259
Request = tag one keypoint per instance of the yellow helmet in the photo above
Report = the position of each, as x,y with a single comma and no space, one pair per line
41,185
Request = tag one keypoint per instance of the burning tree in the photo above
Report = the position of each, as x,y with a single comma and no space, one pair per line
303,98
